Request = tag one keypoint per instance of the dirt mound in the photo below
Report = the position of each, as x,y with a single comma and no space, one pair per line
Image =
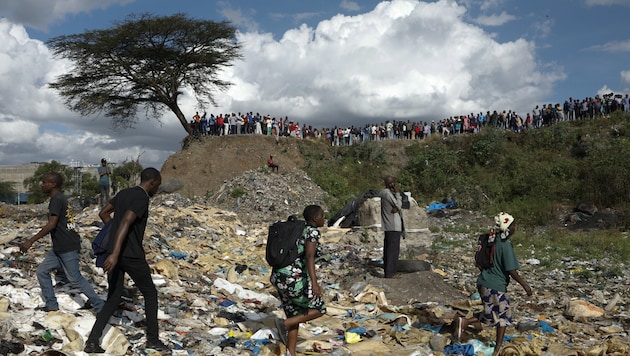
213,160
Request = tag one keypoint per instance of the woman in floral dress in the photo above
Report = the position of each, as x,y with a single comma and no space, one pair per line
297,284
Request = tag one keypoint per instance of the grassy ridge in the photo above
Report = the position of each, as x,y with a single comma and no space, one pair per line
536,175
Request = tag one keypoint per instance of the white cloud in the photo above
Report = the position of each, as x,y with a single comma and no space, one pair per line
495,20
543,28
615,46
349,5
404,59
37,127
238,18
607,2
491,4
17,131
625,76
40,14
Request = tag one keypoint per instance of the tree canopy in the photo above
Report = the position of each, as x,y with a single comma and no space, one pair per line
126,175
144,62
35,194
7,192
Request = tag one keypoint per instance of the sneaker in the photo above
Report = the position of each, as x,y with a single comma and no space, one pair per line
89,306
93,348
46,309
157,346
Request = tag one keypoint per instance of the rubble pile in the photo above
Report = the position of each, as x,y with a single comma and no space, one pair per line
207,256
259,196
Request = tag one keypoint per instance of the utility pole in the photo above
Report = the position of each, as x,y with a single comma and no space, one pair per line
77,176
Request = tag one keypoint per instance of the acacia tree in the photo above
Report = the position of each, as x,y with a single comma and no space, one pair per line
144,62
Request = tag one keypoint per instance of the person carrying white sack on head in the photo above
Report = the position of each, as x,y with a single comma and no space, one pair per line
493,281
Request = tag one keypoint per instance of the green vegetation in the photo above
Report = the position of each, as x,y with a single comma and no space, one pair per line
36,196
532,174
237,193
536,175
555,243
7,192
344,172
126,175
89,185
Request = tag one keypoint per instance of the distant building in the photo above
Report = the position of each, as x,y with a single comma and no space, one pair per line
17,174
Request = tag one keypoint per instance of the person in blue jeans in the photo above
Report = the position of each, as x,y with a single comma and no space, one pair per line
66,244
103,182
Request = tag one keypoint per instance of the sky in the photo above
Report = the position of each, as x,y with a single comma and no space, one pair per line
321,63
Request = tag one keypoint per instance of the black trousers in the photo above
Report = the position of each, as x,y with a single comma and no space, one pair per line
391,251
139,271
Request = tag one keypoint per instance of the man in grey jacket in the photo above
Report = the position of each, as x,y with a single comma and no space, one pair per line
392,224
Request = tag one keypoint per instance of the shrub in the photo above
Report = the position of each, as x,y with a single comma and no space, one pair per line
237,193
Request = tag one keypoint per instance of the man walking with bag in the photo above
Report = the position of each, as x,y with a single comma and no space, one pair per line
126,255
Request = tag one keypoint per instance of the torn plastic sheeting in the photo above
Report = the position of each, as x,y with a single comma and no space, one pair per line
158,280
75,340
243,293
226,303
177,255
481,349
255,345
218,331
264,334
115,342
20,295
255,316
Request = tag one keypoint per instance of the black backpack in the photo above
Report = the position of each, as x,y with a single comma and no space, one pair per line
282,240
485,251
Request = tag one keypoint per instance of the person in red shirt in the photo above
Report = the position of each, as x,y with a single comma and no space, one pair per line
220,122
271,164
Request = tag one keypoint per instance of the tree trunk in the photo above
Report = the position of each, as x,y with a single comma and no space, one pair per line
182,118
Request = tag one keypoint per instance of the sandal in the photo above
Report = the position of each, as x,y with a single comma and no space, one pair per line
282,331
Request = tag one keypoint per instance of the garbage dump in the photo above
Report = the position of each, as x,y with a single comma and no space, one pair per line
207,256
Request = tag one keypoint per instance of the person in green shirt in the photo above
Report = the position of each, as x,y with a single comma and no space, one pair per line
493,281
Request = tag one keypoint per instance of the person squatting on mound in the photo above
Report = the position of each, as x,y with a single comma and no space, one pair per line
297,285
493,281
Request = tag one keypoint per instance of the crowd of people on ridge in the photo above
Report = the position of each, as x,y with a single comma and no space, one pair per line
548,114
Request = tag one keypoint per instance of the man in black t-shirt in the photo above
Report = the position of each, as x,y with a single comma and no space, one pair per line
66,243
126,255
